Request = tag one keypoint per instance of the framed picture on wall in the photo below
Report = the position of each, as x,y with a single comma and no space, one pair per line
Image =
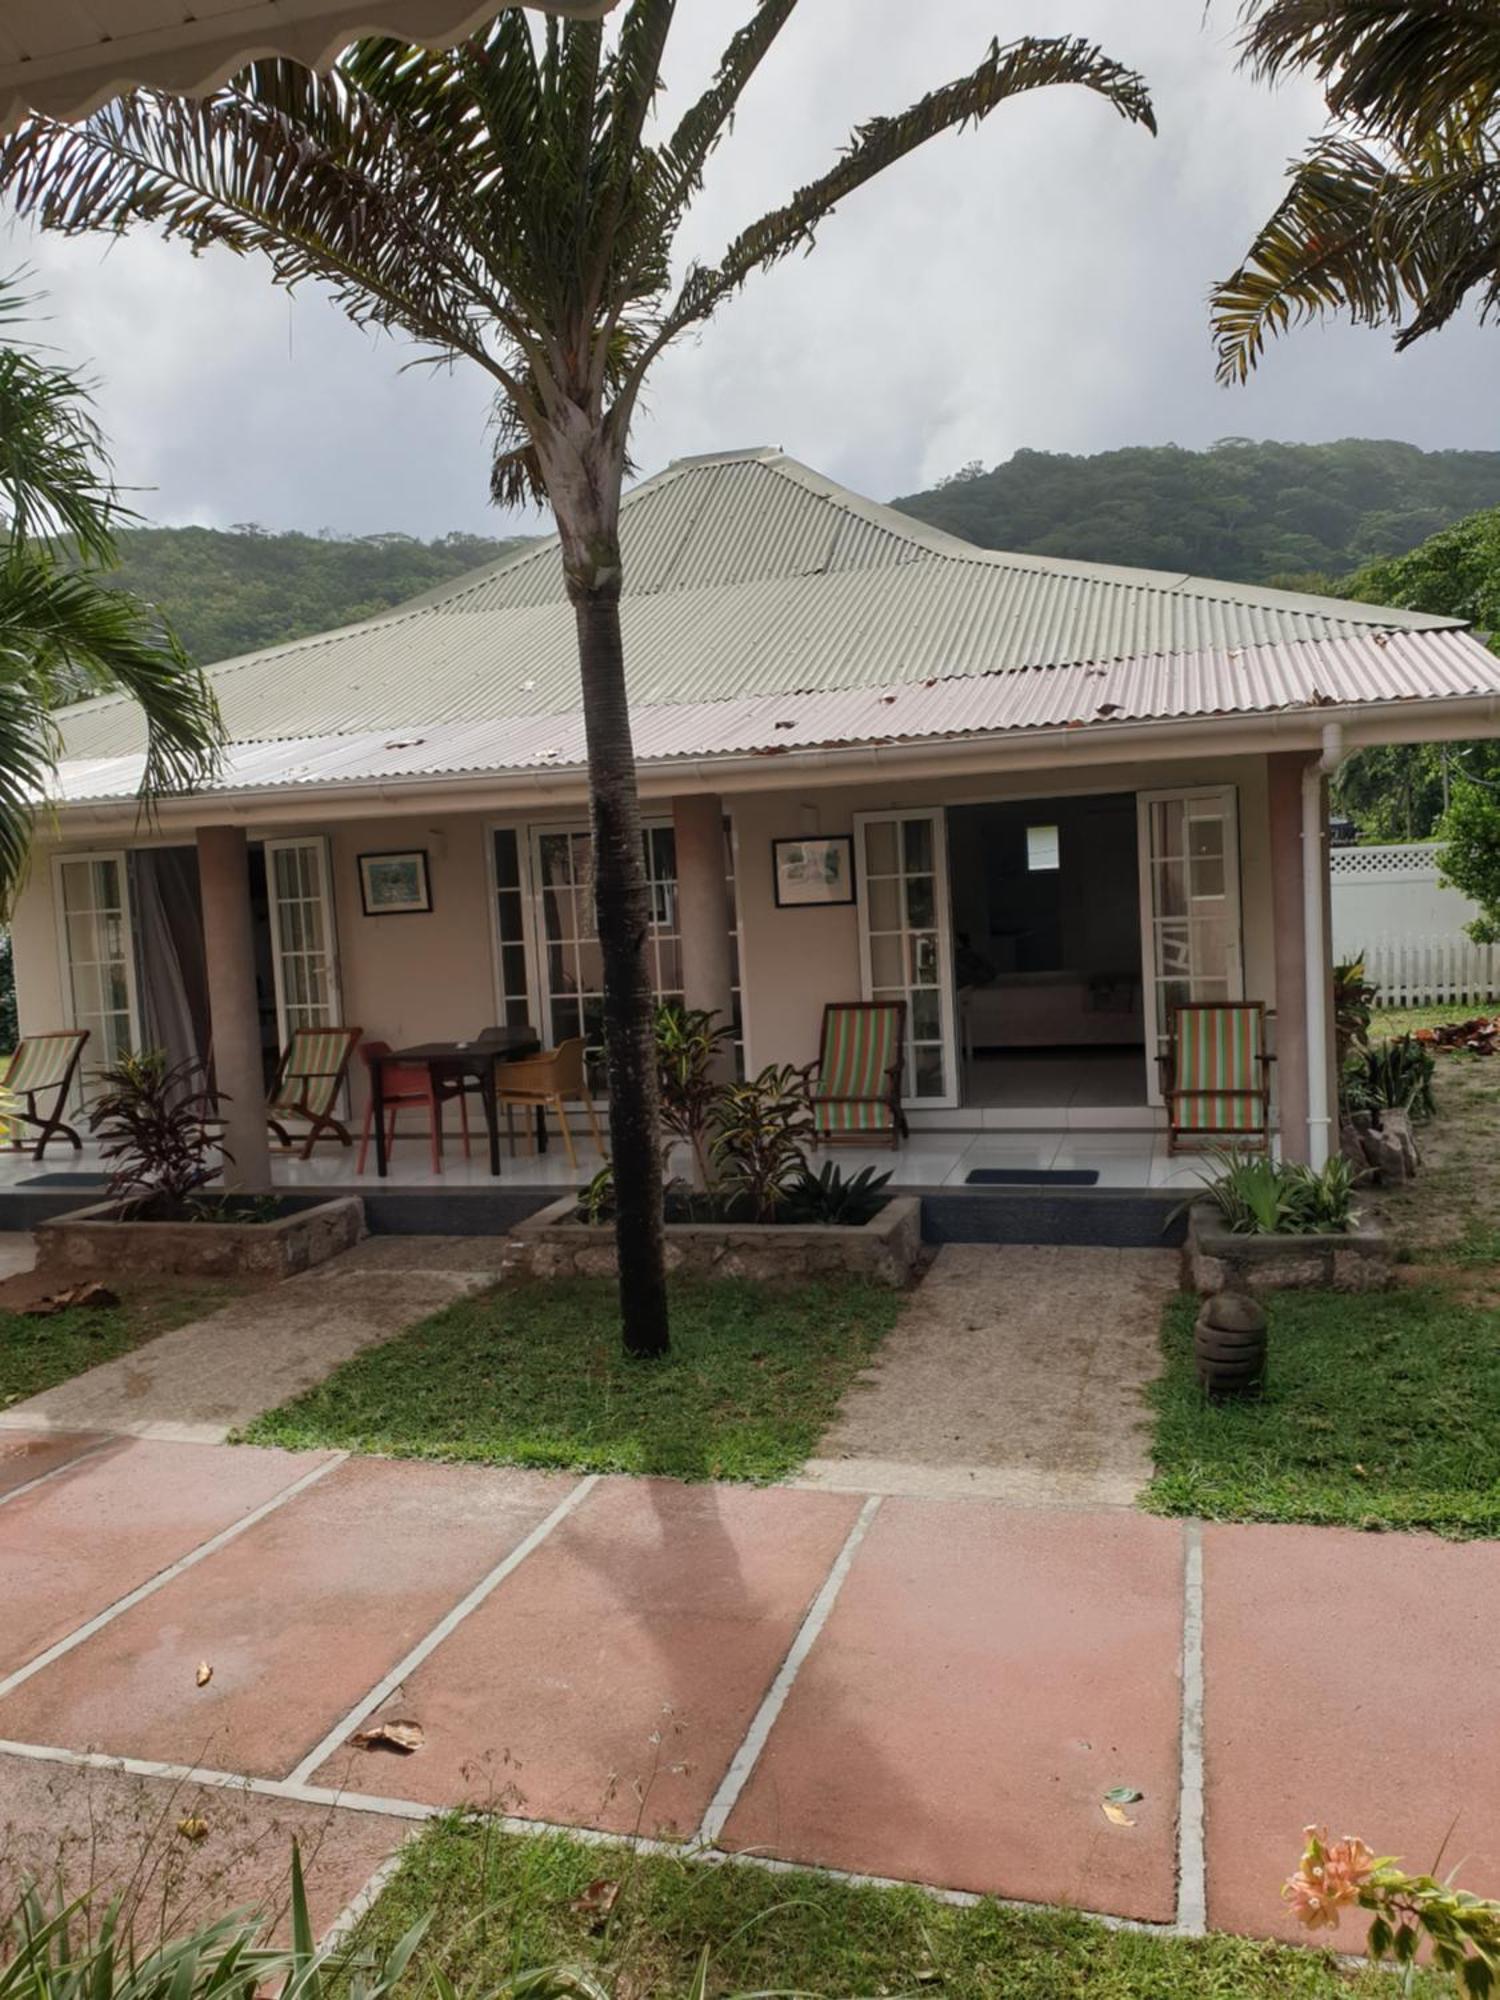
813,871
395,885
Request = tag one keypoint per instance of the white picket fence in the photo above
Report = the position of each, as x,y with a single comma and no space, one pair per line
1432,971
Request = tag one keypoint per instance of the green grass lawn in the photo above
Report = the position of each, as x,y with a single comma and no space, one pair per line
1406,1020
533,1374
502,1904
1380,1411
36,1354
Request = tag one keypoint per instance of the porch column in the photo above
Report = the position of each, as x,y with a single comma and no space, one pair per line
1284,771
703,904
234,1013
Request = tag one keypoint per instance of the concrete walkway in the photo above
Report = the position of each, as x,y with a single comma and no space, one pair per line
1014,1374
936,1690
201,1381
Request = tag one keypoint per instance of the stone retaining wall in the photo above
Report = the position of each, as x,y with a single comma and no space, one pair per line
1215,1259
95,1243
552,1244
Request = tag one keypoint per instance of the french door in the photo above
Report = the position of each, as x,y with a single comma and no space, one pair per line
1190,906
98,955
304,939
906,942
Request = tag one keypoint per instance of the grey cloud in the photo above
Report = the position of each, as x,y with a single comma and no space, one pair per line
1038,282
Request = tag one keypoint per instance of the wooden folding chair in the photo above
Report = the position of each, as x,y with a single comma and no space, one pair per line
40,1064
309,1078
857,1093
1217,1083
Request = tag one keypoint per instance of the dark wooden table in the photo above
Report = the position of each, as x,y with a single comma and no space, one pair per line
453,1063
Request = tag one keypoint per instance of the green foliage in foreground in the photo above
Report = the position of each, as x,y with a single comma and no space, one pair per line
229,591
36,1354
499,1904
532,1374
1380,1410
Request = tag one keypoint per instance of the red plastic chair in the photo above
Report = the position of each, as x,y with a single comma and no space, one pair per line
404,1085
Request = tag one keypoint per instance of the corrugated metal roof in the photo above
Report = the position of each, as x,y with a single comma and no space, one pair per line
1375,667
747,574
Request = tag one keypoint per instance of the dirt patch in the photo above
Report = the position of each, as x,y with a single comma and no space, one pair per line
1452,1208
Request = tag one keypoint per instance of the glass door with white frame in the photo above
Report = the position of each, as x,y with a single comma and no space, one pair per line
304,945
906,944
98,954
1190,906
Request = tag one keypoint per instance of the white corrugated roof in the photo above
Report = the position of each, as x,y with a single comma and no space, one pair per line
766,607
1374,667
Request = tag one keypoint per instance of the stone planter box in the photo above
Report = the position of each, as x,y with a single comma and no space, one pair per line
102,1243
553,1244
1216,1260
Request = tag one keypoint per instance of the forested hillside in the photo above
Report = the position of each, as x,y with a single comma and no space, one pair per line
1297,514
232,591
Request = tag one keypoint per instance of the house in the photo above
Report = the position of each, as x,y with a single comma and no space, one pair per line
1041,801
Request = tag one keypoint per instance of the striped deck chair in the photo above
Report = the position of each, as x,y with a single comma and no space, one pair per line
42,1063
857,1095
308,1082
1217,1084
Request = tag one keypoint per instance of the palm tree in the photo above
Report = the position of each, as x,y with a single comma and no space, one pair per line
505,202
1393,217
63,632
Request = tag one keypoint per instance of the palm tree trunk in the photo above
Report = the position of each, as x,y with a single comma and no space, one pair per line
629,994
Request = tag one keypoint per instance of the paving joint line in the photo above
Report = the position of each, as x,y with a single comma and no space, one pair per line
449,1623
1192,1860
56,1471
747,1756
168,1575
284,1790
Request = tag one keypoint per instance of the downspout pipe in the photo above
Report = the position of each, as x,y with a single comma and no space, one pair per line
1320,1085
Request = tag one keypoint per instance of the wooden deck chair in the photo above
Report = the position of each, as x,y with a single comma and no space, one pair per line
42,1063
857,1094
1217,1083
308,1081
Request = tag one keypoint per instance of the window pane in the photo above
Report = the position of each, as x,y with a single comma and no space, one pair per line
507,859
880,848
1043,848
921,902
916,845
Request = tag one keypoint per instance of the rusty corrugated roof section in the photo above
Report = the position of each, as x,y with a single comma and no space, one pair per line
1374,668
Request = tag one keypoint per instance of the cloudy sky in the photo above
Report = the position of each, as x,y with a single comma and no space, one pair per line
1038,282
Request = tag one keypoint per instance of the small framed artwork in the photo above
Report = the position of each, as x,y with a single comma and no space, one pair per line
395,885
813,871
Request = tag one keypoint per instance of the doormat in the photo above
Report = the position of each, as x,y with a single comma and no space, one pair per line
1032,1177
66,1180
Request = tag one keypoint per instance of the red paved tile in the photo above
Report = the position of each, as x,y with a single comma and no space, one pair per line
28,1454
298,1617
610,1680
1350,1679
986,1674
118,1835
108,1524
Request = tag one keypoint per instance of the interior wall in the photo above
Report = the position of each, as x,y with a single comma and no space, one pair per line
1083,916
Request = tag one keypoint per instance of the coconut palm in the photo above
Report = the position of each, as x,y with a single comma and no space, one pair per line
63,631
512,202
1393,217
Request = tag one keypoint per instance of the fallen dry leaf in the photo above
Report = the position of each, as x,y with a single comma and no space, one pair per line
597,1900
393,1735
193,1828
1116,1815
98,1297
205,1673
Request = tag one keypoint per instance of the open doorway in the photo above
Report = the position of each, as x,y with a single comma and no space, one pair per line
1046,920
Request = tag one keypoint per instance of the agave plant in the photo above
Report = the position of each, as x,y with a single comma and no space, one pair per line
1259,1196
829,1197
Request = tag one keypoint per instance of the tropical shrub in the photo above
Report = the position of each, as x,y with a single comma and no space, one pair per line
691,1049
1395,1074
1353,997
760,1129
828,1197
150,1120
1257,1196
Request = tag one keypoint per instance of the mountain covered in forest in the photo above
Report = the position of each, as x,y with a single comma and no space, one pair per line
234,590
1300,515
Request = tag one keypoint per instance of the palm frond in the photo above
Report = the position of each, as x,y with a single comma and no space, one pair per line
1401,69
1006,72
54,475
1378,238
